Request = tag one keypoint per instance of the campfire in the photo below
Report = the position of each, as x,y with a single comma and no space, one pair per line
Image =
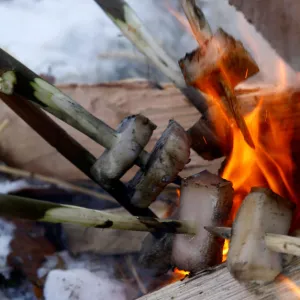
242,219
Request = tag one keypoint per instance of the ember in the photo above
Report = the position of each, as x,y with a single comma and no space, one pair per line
178,275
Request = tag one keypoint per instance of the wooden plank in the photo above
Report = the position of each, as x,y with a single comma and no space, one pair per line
217,283
20,146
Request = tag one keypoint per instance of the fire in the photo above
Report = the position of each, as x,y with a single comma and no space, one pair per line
225,250
270,164
295,288
180,274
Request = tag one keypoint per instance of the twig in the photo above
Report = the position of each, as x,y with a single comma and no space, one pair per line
55,181
275,242
44,211
128,22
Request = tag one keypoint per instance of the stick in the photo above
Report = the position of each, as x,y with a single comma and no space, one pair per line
44,211
275,242
55,181
128,22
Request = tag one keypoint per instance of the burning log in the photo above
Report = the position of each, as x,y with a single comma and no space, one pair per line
218,66
205,199
171,153
261,212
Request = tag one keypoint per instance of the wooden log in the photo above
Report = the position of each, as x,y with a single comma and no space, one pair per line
205,199
261,212
217,283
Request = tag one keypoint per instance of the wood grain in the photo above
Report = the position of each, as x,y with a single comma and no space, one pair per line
217,283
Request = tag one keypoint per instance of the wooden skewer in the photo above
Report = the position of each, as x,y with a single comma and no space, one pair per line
275,242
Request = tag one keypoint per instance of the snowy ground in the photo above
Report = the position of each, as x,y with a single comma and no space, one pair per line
74,38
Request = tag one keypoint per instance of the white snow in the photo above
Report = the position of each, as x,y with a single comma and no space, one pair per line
80,284
6,235
69,36
7,186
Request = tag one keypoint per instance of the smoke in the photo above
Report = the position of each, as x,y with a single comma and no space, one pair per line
76,42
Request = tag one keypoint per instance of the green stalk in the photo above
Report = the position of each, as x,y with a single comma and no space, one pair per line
36,210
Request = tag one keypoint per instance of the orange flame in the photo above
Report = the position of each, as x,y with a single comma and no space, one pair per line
225,250
270,164
295,288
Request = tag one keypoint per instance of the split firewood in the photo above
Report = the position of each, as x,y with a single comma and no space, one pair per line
133,134
218,66
171,153
205,199
262,212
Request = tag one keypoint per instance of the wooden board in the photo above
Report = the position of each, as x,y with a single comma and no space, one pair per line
20,146
217,283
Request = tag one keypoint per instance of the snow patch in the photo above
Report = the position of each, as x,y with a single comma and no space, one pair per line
6,235
80,284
